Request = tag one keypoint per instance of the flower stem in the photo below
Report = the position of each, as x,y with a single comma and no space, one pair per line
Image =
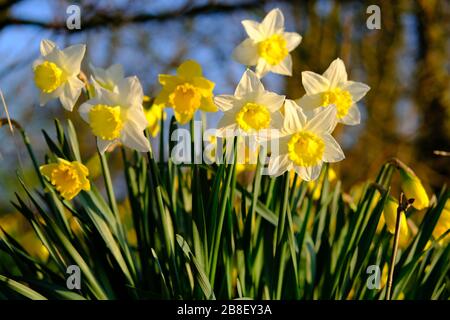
395,248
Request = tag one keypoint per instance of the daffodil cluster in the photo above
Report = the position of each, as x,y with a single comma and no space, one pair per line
113,104
300,129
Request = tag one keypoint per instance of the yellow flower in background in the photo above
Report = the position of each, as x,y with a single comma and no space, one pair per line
186,92
390,218
69,178
413,188
333,88
56,73
267,45
154,114
34,246
94,166
316,186
443,224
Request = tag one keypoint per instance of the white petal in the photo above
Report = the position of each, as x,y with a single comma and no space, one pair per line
97,73
227,131
73,56
248,83
279,165
224,102
46,47
324,121
71,93
246,53
309,173
293,39
270,100
336,73
294,118
310,102
46,97
137,116
262,68
353,117
107,97
115,72
333,151
134,138
227,119
273,22
85,108
56,56
357,89
314,83
252,29
284,67
131,93
103,145
276,121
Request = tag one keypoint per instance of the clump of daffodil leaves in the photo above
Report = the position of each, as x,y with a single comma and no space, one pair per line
280,229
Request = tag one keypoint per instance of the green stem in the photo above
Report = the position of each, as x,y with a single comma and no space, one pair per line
282,219
108,185
216,241
394,250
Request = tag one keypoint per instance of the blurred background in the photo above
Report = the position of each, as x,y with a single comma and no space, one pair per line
406,114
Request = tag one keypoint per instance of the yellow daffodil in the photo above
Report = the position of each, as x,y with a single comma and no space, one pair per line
316,186
56,73
305,144
69,178
108,78
443,224
154,115
118,116
252,111
413,188
267,45
333,88
390,218
186,92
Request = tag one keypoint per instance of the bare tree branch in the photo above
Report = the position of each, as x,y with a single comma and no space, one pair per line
110,19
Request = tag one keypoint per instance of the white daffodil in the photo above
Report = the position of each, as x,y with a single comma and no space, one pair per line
268,46
56,73
252,111
108,78
117,116
305,144
333,88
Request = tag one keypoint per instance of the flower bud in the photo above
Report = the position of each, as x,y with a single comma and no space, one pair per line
413,188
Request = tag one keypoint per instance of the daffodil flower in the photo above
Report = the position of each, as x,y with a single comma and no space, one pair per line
117,116
443,224
186,92
333,88
108,78
390,218
305,144
69,178
268,46
251,111
56,73
413,188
